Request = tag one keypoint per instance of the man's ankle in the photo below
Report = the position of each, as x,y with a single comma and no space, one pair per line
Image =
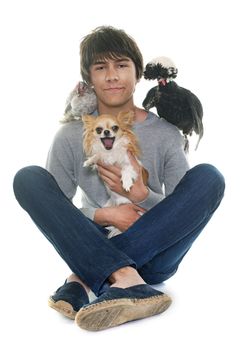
123,271
75,278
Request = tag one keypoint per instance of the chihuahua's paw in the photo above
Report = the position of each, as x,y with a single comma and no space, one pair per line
128,176
90,163
127,186
127,182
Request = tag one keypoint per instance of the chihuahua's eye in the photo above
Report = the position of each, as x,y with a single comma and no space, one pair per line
99,130
115,128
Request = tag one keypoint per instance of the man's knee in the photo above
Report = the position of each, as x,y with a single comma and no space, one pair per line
26,179
211,175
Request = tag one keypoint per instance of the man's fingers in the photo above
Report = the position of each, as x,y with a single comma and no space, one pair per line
108,181
139,209
109,168
108,172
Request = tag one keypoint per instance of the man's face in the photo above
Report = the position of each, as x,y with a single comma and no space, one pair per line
114,81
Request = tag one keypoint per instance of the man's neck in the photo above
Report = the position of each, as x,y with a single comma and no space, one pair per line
140,114
104,109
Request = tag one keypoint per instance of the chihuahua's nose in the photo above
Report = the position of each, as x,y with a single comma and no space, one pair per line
106,132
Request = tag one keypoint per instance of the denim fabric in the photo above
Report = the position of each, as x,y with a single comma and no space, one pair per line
155,244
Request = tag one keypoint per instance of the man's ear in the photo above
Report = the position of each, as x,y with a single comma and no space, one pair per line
126,118
88,120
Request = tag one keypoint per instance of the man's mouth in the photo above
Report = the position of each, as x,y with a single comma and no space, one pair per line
108,142
114,90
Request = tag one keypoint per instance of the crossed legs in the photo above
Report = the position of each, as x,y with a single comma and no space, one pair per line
150,250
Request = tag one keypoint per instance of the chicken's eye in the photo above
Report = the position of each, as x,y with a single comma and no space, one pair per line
99,130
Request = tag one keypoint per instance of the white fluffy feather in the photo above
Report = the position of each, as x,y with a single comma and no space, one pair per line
164,61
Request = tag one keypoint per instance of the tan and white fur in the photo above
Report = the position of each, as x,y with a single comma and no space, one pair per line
107,138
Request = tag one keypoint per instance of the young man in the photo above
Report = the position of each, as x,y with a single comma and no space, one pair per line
158,228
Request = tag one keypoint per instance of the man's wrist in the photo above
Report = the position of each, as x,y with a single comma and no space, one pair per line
140,196
103,216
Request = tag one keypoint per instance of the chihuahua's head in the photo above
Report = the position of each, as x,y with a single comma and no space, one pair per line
105,130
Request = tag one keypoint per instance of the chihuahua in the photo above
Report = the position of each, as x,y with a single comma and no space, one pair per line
108,138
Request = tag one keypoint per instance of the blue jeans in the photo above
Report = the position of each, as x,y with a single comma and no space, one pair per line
155,244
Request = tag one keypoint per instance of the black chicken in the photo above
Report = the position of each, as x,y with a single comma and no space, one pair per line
176,104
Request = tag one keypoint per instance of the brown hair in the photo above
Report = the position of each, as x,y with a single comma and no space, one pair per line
108,43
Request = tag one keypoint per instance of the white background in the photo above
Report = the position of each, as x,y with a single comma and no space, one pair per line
39,66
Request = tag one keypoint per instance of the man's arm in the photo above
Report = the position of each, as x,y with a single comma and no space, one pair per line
175,167
60,164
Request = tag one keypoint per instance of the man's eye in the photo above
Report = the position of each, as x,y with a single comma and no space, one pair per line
99,67
99,130
122,65
115,128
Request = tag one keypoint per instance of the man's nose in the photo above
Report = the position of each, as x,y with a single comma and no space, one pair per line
112,74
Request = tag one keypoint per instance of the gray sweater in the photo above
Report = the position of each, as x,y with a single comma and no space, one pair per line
162,155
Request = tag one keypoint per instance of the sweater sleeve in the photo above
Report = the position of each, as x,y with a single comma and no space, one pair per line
60,163
176,165
151,200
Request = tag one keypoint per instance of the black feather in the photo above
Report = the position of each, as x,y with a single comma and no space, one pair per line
151,98
156,71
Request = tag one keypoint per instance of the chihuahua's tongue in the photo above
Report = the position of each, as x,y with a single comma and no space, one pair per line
108,142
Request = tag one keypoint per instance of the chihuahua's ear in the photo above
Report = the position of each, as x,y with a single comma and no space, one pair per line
88,120
126,118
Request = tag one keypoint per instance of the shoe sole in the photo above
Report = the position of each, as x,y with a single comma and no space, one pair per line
63,308
111,313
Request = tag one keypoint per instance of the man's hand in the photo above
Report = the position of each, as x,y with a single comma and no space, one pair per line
111,175
125,215
122,217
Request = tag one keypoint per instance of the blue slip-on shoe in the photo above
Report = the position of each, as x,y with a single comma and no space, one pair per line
119,305
68,299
